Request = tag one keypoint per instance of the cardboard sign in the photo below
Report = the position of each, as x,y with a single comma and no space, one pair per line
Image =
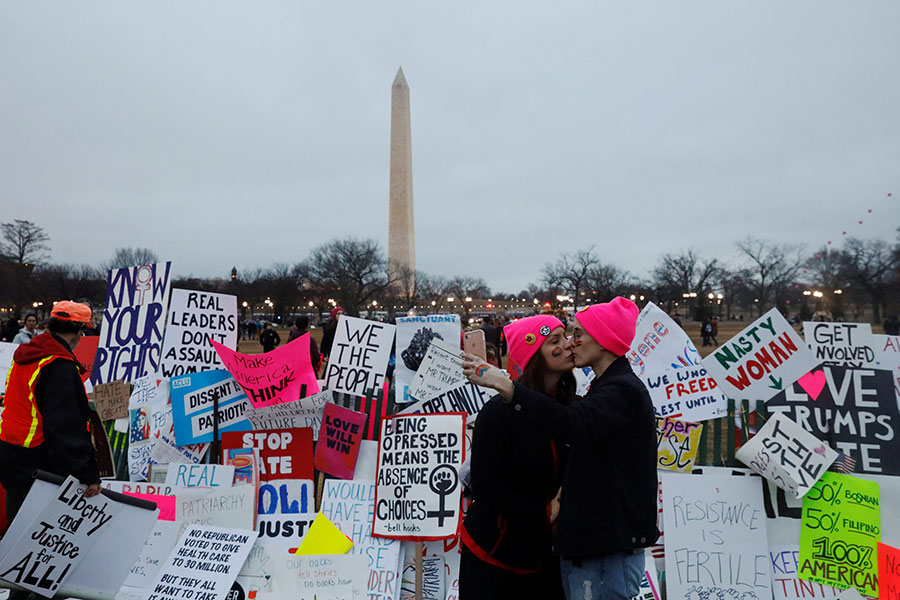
131,333
306,412
414,336
433,578
760,361
207,476
339,439
887,357
195,318
111,400
677,443
220,507
144,392
284,453
351,505
418,498
359,356
193,399
888,572
659,343
787,455
439,371
688,393
276,377
854,411
715,536
331,577
465,397
840,531
203,564
57,539
285,497
841,344
156,548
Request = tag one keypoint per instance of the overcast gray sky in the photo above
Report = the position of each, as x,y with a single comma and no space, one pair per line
222,133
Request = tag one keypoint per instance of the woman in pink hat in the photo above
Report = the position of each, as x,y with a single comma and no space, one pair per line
516,473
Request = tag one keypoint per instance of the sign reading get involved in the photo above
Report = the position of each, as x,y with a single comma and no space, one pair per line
761,360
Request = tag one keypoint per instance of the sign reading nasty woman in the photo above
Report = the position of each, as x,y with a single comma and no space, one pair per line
417,485
132,331
359,356
195,318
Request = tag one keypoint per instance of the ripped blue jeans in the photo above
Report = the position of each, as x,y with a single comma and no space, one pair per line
610,577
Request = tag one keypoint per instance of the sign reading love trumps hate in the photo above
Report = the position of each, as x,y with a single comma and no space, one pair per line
418,489
57,539
339,439
132,331
359,356
194,318
276,377
761,360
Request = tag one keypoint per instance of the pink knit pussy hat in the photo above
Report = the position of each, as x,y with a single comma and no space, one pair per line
611,324
525,336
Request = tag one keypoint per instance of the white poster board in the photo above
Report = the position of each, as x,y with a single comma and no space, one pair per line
659,343
763,359
195,317
414,336
440,370
233,507
842,344
198,475
689,394
464,397
887,357
7,350
359,356
305,412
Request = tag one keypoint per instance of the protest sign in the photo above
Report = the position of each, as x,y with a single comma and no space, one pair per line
106,468
888,572
784,554
688,393
786,454
195,318
246,463
464,397
339,439
324,577
285,496
433,578
279,537
450,552
418,487
193,398
715,536
359,356
284,453
144,392
219,507
138,487
351,505
276,377
676,444
853,411
439,370
203,565
193,475
366,461
414,336
139,425
840,531
131,333
6,358
306,412
57,539
85,353
841,344
649,581
324,537
165,450
156,548
139,459
111,400
887,357
761,360
659,343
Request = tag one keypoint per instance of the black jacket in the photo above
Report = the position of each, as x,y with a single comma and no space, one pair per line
516,472
609,489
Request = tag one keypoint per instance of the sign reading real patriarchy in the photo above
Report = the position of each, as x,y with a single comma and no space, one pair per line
852,410
839,533
761,360
439,371
417,486
57,539
111,400
203,564
659,343
685,393
193,398
359,356
306,412
842,344
276,377
338,446
788,455
715,536
284,453
131,334
195,318
414,335
676,444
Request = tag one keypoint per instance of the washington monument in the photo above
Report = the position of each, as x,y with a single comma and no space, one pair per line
401,232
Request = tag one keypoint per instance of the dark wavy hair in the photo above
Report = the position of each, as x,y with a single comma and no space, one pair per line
533,377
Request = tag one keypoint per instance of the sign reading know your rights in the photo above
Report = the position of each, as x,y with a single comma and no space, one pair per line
761,360
359,356
276,377
194,318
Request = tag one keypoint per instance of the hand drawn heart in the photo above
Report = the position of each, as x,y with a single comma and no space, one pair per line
820,450
813,383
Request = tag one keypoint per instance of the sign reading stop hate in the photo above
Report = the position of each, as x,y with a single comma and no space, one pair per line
284,453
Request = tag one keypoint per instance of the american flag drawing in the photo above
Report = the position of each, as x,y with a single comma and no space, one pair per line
844,463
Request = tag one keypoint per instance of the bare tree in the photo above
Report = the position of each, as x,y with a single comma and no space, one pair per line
605,282
685,273
872,265
772,267
130,257
571,272
24,243
352,271
465,290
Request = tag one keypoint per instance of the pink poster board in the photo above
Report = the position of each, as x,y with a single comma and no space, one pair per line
339,439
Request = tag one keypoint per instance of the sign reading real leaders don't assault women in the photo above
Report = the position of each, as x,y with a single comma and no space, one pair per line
194,318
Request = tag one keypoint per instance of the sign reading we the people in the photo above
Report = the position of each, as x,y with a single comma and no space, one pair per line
417,484
359,356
